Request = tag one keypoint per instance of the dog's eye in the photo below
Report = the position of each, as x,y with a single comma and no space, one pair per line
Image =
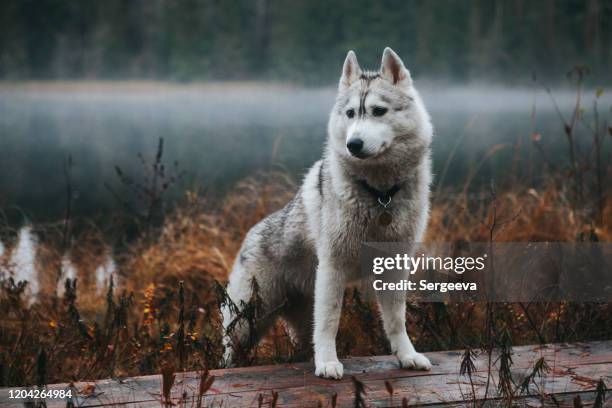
379,111
350,113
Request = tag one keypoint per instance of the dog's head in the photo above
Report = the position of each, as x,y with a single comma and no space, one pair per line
378,116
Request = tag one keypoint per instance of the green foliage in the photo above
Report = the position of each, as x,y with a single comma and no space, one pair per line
300,40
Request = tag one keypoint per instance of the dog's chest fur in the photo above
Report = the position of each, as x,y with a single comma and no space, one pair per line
342,215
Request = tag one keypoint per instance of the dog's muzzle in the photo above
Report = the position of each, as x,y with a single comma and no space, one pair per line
355,147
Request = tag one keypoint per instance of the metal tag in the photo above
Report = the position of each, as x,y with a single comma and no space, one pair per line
385,218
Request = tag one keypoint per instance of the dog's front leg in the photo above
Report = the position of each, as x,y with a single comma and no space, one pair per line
329,291
393,309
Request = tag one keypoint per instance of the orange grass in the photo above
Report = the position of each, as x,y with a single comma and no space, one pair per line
133,330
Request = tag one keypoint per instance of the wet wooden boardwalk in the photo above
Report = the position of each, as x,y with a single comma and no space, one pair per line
573,370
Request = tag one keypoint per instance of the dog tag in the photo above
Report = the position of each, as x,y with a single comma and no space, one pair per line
385,218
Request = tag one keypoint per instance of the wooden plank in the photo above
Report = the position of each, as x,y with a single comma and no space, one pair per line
575,369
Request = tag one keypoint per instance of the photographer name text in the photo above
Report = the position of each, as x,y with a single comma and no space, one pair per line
404,263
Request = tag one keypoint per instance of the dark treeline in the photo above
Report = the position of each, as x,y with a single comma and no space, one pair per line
302,41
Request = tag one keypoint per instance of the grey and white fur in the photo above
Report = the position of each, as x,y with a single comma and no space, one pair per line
304,255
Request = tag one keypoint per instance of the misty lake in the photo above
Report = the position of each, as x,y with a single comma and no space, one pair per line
222,133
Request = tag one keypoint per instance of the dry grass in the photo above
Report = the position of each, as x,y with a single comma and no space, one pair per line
137,329
527,214
196,242
133,329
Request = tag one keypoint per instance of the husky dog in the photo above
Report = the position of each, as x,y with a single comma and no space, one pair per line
372,184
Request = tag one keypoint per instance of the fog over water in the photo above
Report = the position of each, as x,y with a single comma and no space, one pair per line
221,133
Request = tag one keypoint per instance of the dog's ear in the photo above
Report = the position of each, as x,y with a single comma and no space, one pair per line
392,69
350,71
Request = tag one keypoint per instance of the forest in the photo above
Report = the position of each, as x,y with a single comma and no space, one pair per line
301,41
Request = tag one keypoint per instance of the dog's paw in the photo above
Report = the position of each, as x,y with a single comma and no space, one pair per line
329,369
414,361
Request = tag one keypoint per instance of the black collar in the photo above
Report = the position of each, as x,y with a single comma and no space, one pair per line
382,196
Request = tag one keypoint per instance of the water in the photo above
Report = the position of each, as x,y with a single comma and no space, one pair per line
103,274
23,260
220,134
20,262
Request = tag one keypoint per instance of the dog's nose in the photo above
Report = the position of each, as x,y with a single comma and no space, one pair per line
354,146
